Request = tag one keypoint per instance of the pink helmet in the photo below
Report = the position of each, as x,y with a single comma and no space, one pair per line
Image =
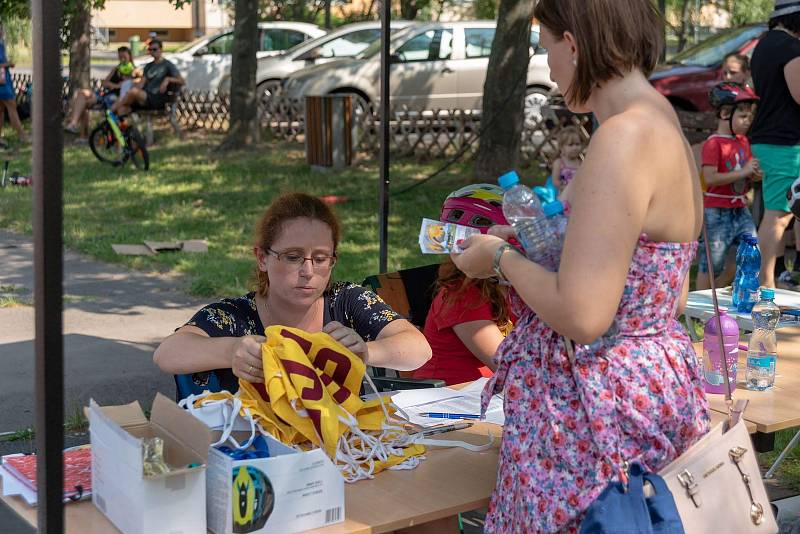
479,206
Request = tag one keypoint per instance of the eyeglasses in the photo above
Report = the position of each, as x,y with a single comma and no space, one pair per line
321,262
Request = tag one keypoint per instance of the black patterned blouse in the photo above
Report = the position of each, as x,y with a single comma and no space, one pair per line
350,304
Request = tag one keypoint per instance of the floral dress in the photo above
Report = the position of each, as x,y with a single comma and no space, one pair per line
634,394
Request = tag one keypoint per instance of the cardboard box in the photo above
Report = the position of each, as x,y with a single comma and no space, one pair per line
291,491
173,503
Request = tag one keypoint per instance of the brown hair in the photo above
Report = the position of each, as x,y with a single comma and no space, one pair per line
285,207
743,60
454,283
613,36
566,133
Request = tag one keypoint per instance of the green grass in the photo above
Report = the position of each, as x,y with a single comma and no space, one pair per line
192,193
789,471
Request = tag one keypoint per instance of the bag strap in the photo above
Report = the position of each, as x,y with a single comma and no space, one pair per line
734,411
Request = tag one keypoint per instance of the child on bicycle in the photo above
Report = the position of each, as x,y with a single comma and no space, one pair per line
468,317
728,168
570,147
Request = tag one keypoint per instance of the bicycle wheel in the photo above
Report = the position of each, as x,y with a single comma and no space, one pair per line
137,150
105,146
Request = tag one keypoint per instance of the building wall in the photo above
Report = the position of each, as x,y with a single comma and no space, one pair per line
125,18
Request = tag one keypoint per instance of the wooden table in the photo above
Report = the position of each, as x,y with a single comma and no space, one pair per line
775,409
447,482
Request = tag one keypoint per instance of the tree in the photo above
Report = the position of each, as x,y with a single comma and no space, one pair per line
410,8
79,39
504,90
243,129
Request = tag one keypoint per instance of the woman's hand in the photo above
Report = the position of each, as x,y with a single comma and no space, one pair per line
246,360
349,338
503,231
478,257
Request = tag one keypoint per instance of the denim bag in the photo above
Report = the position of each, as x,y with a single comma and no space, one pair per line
621,510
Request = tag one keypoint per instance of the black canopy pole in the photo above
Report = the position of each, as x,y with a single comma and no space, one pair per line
383,194
48,262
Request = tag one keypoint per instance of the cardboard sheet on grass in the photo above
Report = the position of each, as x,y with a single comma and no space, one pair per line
150,248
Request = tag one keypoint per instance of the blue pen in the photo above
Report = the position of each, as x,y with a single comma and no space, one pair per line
439,415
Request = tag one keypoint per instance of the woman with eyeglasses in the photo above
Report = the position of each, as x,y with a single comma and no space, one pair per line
295,252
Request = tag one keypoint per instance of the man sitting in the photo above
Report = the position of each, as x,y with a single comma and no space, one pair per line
151,91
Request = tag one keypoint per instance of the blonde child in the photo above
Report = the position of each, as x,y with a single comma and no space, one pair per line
570,147
736,68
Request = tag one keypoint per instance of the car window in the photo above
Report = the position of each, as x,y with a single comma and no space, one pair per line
713,50
479,41
349,45
221,45
429,46
279,39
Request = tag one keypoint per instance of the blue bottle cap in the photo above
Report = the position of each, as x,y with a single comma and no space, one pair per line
750,239
767,293
553,208
508,180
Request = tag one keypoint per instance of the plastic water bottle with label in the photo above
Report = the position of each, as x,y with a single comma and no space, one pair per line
532,221
762,353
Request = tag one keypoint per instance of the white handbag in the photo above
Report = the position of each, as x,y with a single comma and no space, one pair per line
717,483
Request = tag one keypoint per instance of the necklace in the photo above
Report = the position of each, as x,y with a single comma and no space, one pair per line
787,32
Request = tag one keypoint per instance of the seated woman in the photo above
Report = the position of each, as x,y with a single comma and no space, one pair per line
468,317
113,84
295,251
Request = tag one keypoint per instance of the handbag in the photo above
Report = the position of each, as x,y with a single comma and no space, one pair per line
714,486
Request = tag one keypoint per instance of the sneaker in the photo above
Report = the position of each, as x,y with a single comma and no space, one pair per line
787,280
71,129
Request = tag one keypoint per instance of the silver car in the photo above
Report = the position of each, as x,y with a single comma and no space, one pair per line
344,42
434,66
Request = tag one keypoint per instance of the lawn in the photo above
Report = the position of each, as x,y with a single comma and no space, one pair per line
192,193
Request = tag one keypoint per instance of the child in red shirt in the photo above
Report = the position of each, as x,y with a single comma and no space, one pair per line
468,317
728,168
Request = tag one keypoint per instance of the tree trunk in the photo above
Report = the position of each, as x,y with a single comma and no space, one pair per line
504,91
328,14
408,9
243,115
80,56
684,27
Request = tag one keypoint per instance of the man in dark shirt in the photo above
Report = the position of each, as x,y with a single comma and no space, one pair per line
151,91
775,135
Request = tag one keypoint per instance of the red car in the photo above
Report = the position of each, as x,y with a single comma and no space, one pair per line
688,77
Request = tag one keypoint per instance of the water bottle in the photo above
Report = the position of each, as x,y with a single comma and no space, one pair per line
530,219
746,283
712,357
762,351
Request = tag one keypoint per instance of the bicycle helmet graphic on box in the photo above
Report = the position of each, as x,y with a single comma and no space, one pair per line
478,206
253,499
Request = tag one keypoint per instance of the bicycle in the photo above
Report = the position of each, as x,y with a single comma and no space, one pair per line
115,141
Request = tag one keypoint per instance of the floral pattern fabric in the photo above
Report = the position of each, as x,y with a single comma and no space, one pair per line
634,394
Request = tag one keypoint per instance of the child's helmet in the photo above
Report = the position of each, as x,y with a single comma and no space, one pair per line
730,94
793,196
479,206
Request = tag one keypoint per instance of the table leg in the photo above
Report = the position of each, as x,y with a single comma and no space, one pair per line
783,454
763,441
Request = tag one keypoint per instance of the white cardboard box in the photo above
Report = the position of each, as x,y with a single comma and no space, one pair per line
301,491
173,503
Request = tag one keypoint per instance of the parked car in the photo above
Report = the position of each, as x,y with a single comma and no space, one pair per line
433,66
206,62
689,76
346,41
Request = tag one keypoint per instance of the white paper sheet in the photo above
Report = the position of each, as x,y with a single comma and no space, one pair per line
446,400
13,486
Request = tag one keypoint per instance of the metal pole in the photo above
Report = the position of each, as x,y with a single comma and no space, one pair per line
383,194
662,7
48,268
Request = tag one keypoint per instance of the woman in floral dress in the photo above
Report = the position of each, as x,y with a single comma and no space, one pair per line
597,370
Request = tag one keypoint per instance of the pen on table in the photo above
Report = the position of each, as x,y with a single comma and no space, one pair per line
440,415
442,429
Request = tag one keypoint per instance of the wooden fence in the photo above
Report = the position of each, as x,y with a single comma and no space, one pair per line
426,135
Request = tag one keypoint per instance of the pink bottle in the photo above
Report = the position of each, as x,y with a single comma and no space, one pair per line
713,378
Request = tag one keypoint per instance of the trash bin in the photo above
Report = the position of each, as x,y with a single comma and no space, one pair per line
329,131
135,45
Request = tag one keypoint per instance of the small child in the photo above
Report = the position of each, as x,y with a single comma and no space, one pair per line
728,168
570,147
736,68
468,317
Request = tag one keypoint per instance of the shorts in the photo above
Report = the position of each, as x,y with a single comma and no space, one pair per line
155,101
725,228
781,166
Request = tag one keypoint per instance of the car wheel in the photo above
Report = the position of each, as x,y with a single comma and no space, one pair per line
535,98
267,89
